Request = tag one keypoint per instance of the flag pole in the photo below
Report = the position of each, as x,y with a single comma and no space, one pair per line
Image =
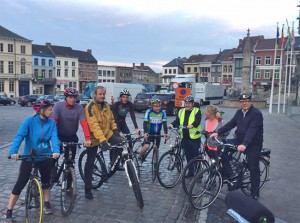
280,71
273,76
286,67
292,60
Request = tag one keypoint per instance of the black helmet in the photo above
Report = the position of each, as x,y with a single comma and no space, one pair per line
189,98
245,96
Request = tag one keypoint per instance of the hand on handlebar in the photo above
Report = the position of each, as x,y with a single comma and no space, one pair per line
14,156
166,137
87,143
55,155
214,135
189,126
122,135
241,148
146,135
170,126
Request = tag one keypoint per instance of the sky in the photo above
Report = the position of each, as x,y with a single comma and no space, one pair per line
153,32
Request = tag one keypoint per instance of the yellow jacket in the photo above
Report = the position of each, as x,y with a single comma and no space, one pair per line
101,122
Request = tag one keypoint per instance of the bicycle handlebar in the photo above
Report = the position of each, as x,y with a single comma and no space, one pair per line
44,156
225,144
64,144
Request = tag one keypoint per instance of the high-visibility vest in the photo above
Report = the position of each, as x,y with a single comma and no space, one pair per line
191,120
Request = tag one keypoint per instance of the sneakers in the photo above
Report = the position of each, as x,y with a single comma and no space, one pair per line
47,208
88,194
8,217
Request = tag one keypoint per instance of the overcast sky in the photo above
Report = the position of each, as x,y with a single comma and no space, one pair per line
145,31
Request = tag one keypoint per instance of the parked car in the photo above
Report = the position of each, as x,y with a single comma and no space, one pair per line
167,102
4,100
49,98
59,98
27,100
83,100
142,101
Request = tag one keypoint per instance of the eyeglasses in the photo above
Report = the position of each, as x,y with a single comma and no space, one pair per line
243,102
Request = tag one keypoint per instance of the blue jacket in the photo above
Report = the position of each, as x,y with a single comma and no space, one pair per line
37,133
249,129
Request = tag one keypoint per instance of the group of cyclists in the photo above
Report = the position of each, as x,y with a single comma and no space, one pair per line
105,124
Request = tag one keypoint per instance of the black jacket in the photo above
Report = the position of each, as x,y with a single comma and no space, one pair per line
249,129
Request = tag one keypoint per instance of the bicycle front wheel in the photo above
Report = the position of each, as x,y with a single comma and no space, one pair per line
205,188
195,165
98,170
264,176
169,169
34,201
68,191
135,184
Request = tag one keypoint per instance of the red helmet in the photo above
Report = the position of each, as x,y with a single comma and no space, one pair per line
70,91
41,104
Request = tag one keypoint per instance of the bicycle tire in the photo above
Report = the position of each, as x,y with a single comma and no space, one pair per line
153,165
98,173
137,144
264,176
135,184
34,200
68,192
205,188
169,169
199,165
136,164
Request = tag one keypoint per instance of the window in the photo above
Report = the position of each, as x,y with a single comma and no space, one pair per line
166,71
10,48
277,60
213,69
230,69
50,63
219,79
257,74
212,79
276,74
170,71
23,49
36,73
66,72
267,74
258,61
1,47
1,86
58,63
11,86
50,73
108,73
43,73
189,70
10,67
268,61
73,73
99,72
1,67
36,62
73,64
195,69
219,69
104,73
174,71
113,73
66,63
23,66
43,62
225,69
58,73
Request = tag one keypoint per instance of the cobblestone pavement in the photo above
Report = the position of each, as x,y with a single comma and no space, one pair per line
115,202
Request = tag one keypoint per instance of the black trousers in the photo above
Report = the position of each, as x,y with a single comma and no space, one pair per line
91,156
191,149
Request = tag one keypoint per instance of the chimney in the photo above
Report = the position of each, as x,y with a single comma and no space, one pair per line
133,65
48,45
142,65
89,51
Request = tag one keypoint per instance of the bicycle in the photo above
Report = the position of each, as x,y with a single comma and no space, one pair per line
153,161
101,174
170,164
66,178
207,184
34,193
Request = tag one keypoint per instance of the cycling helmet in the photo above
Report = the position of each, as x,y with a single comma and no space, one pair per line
189,98
41,105
156,102
70,91
245,96
124,92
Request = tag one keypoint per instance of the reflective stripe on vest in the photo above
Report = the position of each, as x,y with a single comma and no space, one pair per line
191,120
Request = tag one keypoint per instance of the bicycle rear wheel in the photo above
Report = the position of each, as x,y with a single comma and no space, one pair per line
34,201
135,184
68,191
169,169
197,164
98,171
264,176
205,188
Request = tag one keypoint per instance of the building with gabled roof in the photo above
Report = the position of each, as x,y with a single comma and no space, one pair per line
15,64
172,68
